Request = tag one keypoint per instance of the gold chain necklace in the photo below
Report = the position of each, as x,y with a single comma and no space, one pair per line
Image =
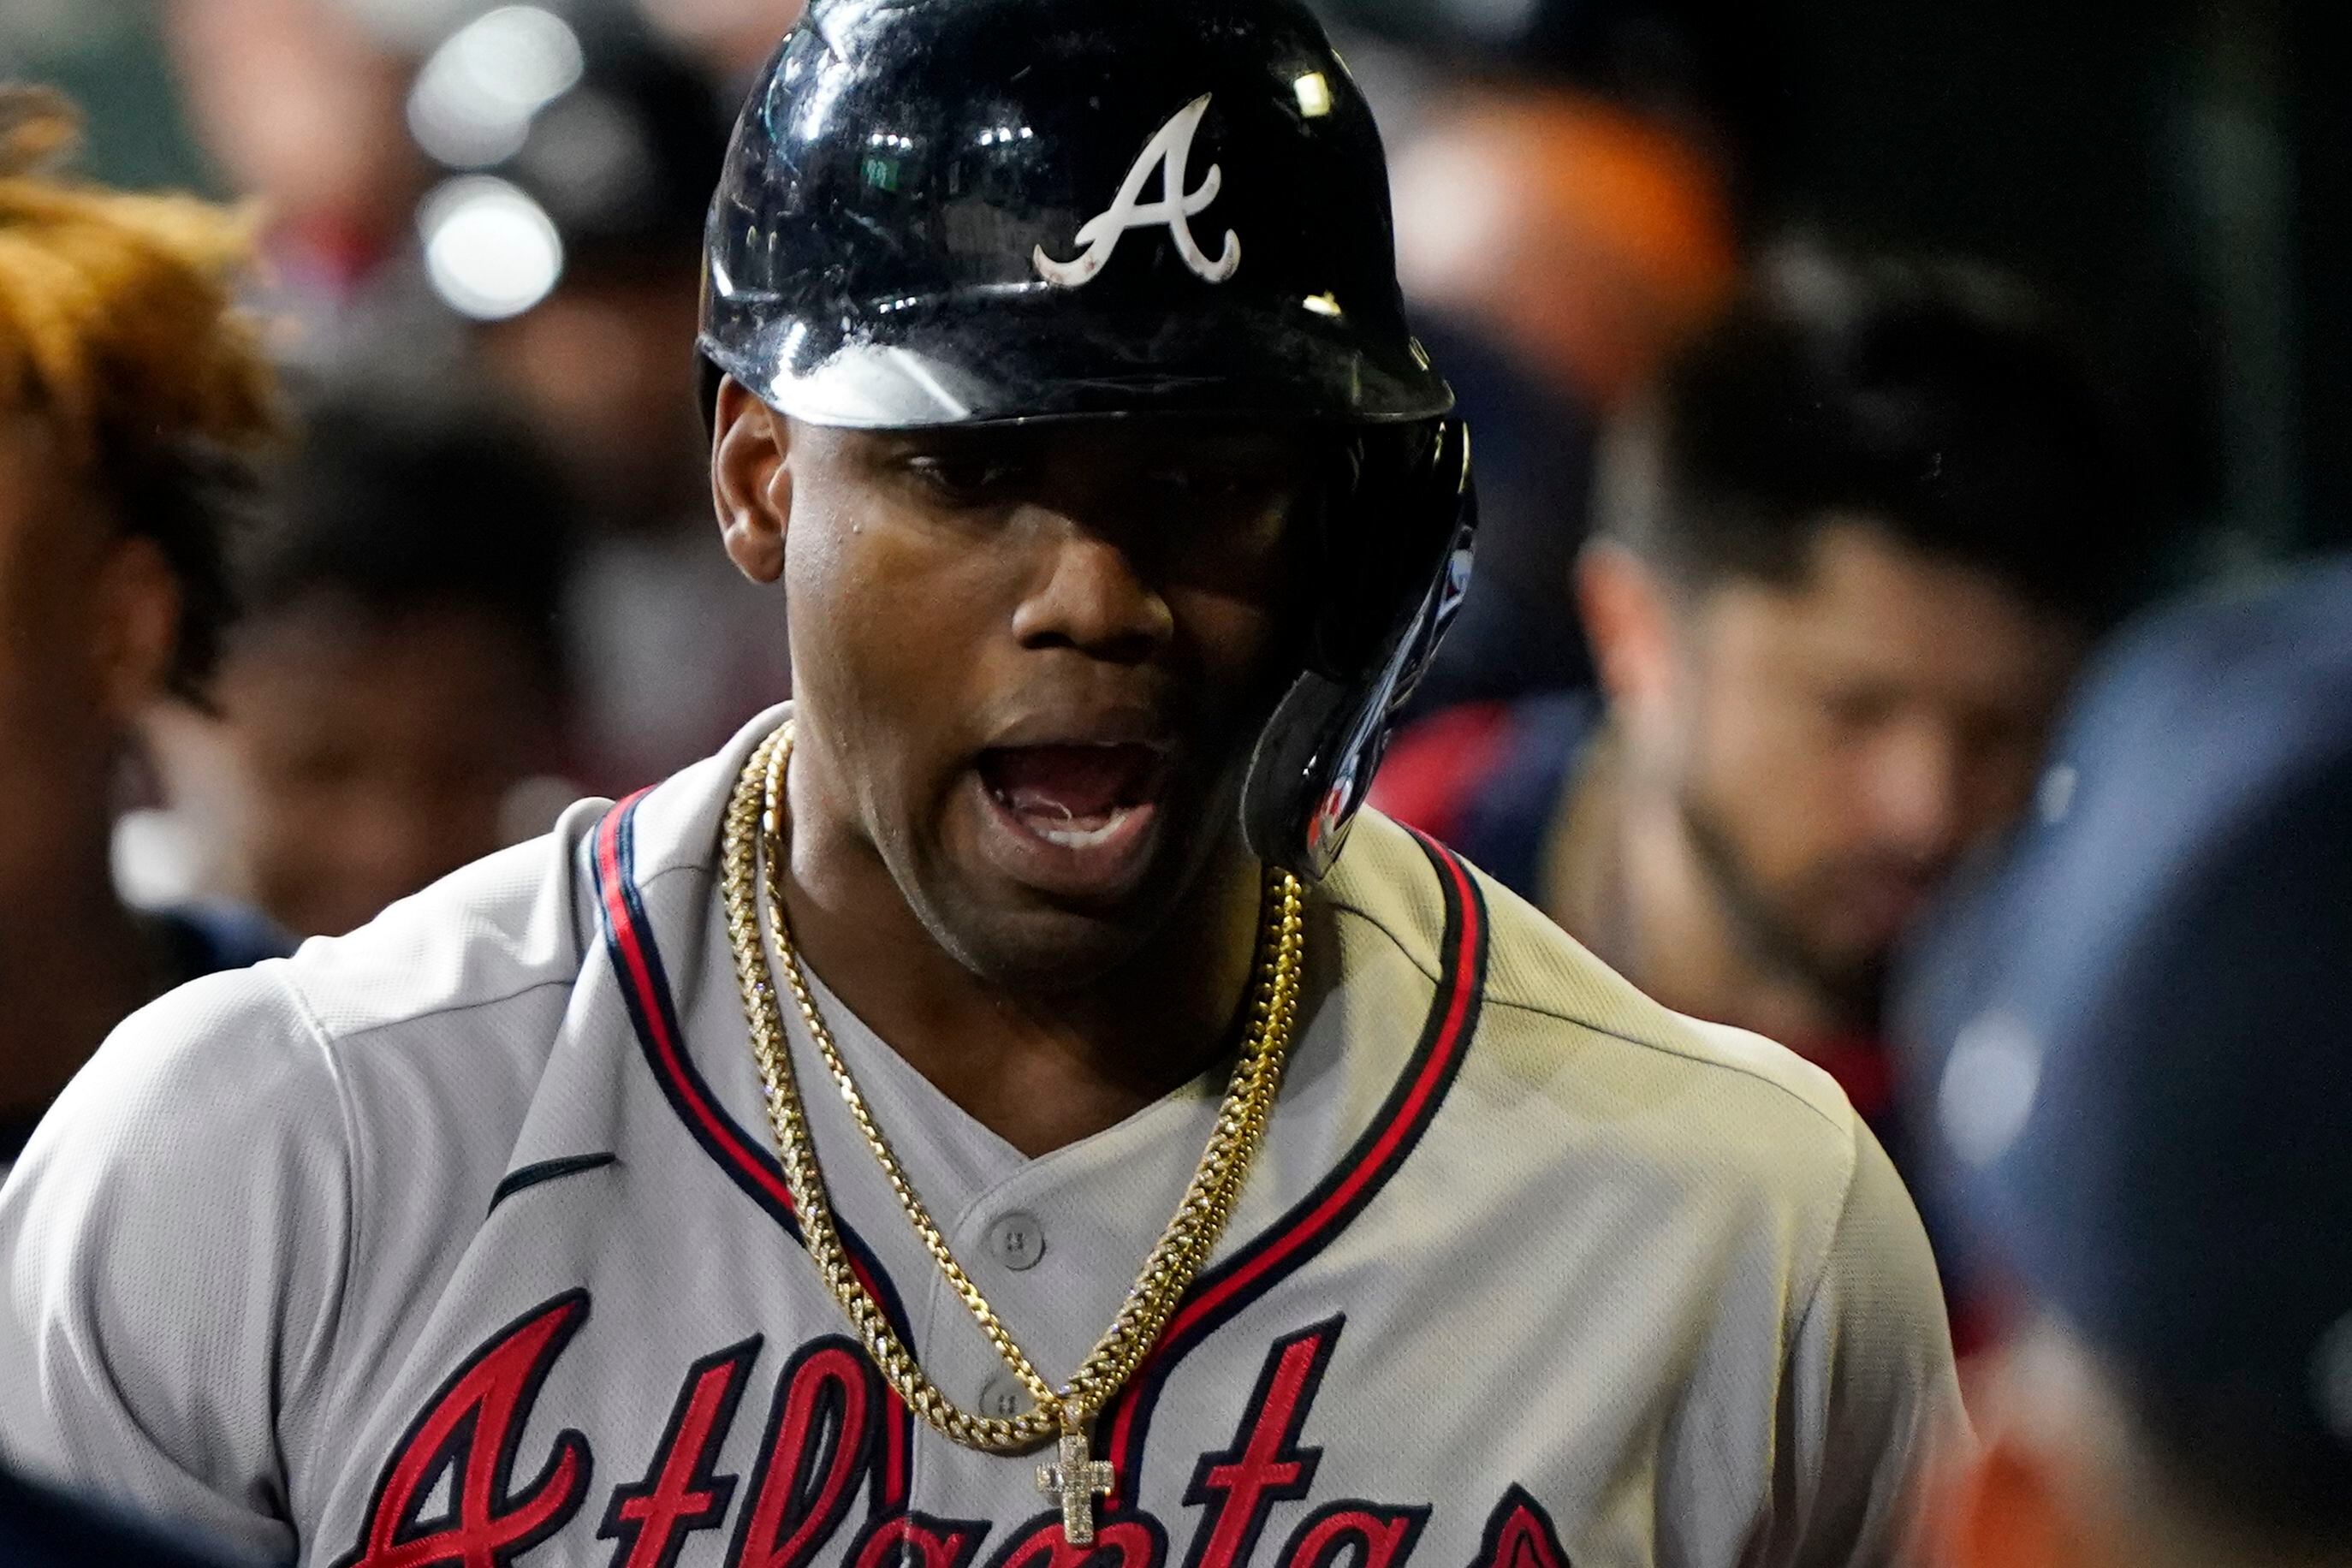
754,824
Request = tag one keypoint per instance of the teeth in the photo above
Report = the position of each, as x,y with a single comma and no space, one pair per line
1080,838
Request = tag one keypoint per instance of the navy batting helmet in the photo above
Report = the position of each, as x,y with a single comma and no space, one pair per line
975,212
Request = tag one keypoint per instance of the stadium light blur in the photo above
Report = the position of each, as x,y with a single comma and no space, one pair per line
491,251
474,98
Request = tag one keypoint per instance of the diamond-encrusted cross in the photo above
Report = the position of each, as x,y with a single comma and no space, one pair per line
1076,1479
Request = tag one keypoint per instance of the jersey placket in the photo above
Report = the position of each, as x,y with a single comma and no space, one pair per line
1052,1243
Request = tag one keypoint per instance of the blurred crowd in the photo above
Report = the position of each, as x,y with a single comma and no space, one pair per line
1793,547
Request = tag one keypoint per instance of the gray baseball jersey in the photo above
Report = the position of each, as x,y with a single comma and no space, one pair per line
459,1241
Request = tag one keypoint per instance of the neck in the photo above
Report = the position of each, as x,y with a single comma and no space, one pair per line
73,962
1039,1068
1626,879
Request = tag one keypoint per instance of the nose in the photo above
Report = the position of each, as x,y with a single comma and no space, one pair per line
1919,792
1088,593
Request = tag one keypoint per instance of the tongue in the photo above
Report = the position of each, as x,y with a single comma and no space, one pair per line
1069,782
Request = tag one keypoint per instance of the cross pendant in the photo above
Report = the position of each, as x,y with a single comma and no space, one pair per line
1075,1480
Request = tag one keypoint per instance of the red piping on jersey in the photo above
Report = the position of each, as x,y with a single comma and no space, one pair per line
645,987
1218,1296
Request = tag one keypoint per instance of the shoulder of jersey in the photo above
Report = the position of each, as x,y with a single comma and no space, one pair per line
1556,1022
511,931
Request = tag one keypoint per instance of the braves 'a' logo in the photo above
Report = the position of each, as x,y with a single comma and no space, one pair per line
1168,152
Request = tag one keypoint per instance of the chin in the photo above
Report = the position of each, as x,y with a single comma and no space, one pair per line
1039,951
1853,976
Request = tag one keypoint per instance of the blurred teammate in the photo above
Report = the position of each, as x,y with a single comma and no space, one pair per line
134,401
1849,553
398,676
41,1528
2141,1076
996,1110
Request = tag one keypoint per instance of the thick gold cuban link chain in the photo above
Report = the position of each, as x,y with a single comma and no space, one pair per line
754,837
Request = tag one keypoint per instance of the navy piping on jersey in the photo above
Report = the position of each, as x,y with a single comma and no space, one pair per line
525,1177
644,987
1217,1295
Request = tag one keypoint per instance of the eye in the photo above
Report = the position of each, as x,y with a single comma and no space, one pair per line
1857,708
964,478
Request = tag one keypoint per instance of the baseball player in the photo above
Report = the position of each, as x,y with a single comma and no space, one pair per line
982,1117
2142,1084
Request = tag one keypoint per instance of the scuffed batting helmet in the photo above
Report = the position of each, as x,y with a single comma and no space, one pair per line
974,212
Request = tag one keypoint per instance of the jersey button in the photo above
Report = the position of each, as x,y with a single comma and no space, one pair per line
1003,1398
1018,1240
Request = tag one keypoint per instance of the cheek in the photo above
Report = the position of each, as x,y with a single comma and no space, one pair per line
1741,730
1243,610
50,688
892,636
1787,791
1241,640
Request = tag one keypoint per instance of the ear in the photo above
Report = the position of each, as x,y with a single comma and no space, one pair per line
2000,1507
1629,621
751,483
137,626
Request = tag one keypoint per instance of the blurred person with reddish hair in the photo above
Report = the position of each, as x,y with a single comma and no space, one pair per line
134,403
1849,552
390,706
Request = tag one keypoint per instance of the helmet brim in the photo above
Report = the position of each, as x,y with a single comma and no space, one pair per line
1009,356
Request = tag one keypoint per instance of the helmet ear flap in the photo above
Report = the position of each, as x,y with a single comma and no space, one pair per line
1397,563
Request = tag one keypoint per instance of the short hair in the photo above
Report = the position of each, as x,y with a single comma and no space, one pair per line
401,496
1930,399
119,323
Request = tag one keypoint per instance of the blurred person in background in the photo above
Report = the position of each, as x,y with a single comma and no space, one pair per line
390,708
578,154
1849,552
2132,1036
1556,247
1589,238
135,402
297,104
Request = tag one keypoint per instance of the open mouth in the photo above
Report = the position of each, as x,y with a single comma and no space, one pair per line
1074,796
